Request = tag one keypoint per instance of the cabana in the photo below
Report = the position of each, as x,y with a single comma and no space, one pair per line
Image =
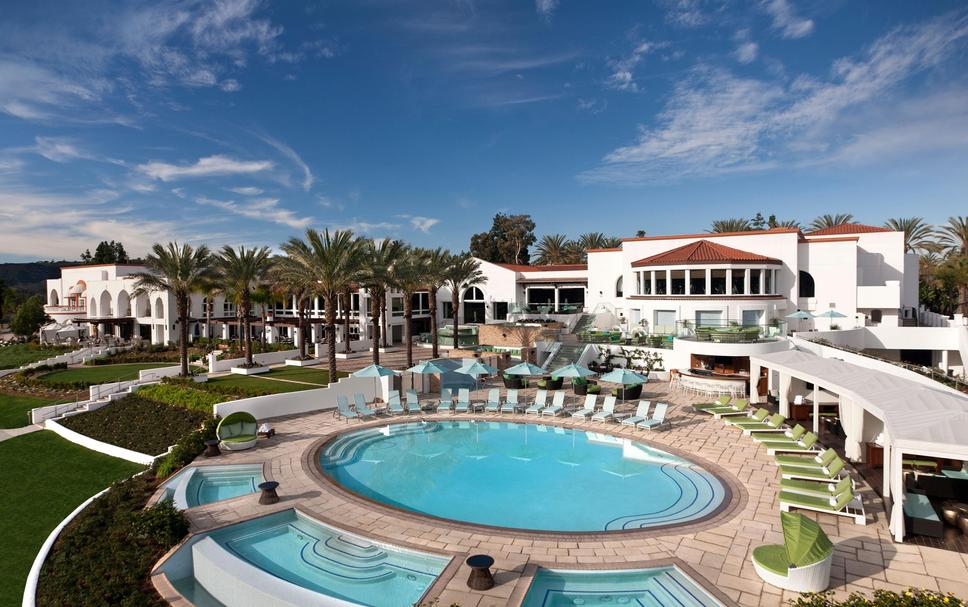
914,419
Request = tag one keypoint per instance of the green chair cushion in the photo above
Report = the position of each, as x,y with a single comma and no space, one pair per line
231,429
249,427
239,438
773,558
917,505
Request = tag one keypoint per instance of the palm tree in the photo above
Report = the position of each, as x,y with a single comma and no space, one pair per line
181,270
738,224
241,271
954,271
332,258
828,221
262,296
916,232
464,272
409,276
438,260
208,292
555,248
954,235
375,276
289,278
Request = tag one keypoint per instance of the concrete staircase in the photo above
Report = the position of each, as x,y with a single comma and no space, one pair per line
583,323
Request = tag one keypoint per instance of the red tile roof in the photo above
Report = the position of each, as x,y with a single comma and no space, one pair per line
847,228
703,251
563,267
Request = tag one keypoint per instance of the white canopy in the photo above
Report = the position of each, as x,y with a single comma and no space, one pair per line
918,419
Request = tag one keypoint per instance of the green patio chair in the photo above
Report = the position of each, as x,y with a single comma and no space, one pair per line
802,562
237,431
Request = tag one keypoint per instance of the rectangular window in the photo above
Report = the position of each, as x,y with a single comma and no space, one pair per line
420,303
697,284
660,286
755,282
500,310
738,278
712,318
769,282
752,317
396,306
665,322
447,310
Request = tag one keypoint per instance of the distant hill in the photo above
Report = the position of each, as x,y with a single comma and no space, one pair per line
30,276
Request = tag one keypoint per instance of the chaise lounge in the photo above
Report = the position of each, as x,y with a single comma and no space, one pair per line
237,431
802,563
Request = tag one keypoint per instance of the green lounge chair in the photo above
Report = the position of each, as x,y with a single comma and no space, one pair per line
808,444
737,408
359,403
844,504
539,403
816,489
493,401
807,461
394,406
641,413
607,412
237,431
772,423
510,404
756,416
802,563
824,473
722,401
591,400
792,435
557,405
657,420
463,401
446,402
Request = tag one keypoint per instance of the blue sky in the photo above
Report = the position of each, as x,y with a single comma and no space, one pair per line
246,122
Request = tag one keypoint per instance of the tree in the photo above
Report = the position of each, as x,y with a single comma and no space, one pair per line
721,226
916,233
289,278
106,252
29,317
507,241
438,260
954,271
595,240
556,248
954,235
332,258
773,223
408,275
375,276
464,272
758,222
828,221
240,272
954,239
640,233
181,270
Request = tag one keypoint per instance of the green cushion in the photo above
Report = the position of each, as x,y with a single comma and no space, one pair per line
804,540
231,429
773,558
249,427
239,438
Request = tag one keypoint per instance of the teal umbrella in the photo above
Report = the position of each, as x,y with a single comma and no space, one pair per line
475,370
831,314
525,368
572,370
624,377
374,371
426,368
800,315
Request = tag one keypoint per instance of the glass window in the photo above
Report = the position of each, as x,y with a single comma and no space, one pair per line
738,277
660,285
665,322
769,282
709,317
752,317
755,282
807,287
447,310
618,286
396,306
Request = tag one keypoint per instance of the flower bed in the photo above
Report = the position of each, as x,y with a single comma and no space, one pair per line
912,597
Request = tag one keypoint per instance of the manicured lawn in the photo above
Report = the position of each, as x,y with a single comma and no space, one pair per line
13,409
100,374
312,375
251,382
16,355
43,477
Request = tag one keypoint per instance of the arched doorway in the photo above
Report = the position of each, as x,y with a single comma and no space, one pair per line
104,304
53,299
474,309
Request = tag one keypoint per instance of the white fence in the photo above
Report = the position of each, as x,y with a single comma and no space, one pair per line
100,447
305,401
216,364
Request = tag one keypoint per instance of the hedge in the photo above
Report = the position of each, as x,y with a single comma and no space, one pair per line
136,423
182,395
912,597
232,391
186,449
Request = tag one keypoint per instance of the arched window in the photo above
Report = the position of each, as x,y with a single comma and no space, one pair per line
159,308
473,294
807,286
618,286
124,304
53,299
104,304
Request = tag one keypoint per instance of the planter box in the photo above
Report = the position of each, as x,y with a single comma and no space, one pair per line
249,371
345,356
389,349
292,362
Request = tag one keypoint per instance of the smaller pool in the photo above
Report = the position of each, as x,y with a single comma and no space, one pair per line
659,587
197,485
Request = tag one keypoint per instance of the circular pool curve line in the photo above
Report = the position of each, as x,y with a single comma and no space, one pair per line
528,477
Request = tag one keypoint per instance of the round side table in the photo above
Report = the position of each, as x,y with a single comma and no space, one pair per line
480,577
211,448
269,495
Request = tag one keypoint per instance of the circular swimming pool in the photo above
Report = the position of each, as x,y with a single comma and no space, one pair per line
522,476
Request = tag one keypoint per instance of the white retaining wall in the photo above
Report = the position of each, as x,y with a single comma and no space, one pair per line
96,445
216,364
306,401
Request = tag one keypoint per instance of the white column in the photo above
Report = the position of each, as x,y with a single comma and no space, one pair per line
296,336
729,281
709,282
668,282
314,332
816,409
784,394
556,299
270,334
755,370
687,276
886,479
944,361
225,331
763,281
652,281
746,281
897,518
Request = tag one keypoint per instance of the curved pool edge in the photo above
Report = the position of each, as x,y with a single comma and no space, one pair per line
734,500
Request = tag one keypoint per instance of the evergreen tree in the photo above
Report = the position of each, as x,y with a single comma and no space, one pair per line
507,241
29,317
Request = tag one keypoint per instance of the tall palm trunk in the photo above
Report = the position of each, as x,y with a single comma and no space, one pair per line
375,322
301,319
347,295
455,303
247,327
383,314
408,328
208,320
435,350
331,334
182,307
963,299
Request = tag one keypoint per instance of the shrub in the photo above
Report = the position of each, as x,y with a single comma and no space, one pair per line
182,395
593,389
186,449
232,391
104,556
912,597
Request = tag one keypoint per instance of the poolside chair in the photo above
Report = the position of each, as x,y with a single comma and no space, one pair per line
510,404
359,403
815,488
607,412
394,406
722,401
846,503
757,416
802,562
237,431
493,401
802,460
413,403
657,420
808,444
446,402
464,404
589,409
557,405
773,423
737,408
790,435
824,473
540,400
641,413
343,408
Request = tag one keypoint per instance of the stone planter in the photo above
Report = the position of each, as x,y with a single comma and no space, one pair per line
249,370
200,379
293,362
345,356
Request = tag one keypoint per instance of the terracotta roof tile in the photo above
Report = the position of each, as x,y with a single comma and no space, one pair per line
848,228
703,251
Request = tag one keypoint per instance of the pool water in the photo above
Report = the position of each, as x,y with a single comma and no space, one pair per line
197,485
523,476
660,587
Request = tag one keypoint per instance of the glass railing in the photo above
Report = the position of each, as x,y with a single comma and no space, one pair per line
733,332
547,309
621,338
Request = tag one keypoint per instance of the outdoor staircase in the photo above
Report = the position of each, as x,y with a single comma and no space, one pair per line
583,323
566,354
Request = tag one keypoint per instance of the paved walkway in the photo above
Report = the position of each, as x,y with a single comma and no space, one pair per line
6,433
716,553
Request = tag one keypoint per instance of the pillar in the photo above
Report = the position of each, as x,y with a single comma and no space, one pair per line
668,274
687,276
785,394
886,478
897,518
556,299
297,336
816,409
314,333
729,281
944,362
746,281
763,281
709,282
270,334
225,331
755,370
652,282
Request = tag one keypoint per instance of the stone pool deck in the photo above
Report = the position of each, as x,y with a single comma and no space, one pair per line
715,552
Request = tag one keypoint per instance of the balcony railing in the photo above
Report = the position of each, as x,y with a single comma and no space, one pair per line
547,309
621,338
51,309
730,332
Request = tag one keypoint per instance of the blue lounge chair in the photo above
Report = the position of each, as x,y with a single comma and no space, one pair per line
493,401
657,420
557,405
446,402
591,400
394,406
464,401
641,413
359,402
413,403
607,412
343,408
540,402
510,404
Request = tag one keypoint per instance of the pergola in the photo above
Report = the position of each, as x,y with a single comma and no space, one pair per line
917,419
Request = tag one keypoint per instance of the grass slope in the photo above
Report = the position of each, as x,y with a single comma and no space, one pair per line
14,409
16,355
100,374
44,477
264,381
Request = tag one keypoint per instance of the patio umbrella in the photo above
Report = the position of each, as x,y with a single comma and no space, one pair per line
374,371
572,370
624,377
800,315
525,368
426,368
831,315
475,370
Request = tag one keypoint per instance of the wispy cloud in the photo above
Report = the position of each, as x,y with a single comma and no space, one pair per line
746,50
592,106
246,191
684,13
786,20
622,77
716,122
420,223
264,209
545,8
205,167
288,152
